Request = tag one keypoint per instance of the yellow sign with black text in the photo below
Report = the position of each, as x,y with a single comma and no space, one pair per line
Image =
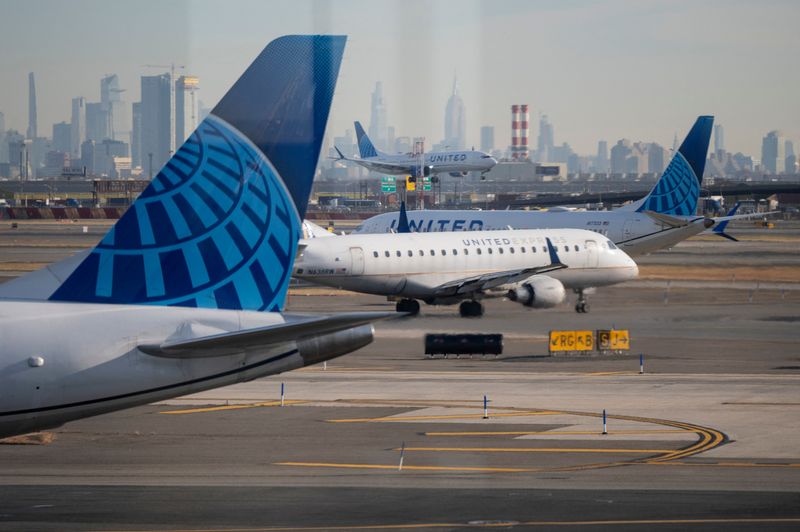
566,341
613,340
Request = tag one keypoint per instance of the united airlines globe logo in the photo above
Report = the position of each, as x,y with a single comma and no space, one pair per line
676,192
215,228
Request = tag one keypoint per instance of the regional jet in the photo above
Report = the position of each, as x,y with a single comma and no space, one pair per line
168,302
532,267
455,163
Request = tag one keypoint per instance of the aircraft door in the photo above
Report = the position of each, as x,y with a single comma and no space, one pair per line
591,254
356,261
627,229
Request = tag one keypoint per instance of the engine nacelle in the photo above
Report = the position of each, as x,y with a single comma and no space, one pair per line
459,174
316,349
426,170
539,291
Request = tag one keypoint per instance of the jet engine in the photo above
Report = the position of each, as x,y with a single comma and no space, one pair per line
539,291
459,174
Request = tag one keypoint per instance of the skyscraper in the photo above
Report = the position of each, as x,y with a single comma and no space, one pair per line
773,153
78,134
186,107
32,129
719,139
156,135
377,118
545,144
455,122
61,137
136,135
114,105
3,142
601,164
98,122
487,138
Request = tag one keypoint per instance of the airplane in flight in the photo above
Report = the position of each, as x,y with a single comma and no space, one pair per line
184,293
533,267
663,218
455,163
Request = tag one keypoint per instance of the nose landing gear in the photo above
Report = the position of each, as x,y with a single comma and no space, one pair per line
408,305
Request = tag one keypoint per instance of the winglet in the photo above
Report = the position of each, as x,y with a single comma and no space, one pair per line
341,155
554,260
720,228
402,222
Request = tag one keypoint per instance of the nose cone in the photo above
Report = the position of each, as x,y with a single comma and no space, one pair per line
630,268
491,162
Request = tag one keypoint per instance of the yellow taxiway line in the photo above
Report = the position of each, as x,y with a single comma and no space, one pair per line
230,407
445,416
558,433
410,467
535,450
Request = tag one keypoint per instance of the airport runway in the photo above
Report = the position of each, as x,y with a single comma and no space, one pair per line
705,439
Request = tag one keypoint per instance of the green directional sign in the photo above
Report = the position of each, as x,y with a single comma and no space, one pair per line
388,184
426,184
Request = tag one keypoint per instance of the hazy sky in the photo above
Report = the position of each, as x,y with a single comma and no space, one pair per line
600,70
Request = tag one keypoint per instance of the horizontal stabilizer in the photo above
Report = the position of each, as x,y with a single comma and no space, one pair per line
666,219
230,343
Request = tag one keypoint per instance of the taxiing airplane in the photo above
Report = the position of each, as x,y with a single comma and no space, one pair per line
167,303
532,267
455,163
660,220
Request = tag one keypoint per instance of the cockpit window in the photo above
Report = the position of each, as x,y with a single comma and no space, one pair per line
611,245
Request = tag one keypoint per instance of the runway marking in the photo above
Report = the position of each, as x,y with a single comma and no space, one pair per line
556,433
444,416
535,450
410,467
605,373
492,523
725,464
760,404
230,407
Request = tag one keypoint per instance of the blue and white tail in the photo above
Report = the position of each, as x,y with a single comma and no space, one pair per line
678,190
218,226
365,146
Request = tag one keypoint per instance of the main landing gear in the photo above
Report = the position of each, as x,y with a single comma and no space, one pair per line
408,305
582,306
470,309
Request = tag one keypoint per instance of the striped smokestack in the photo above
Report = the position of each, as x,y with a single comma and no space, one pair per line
515,131
519,131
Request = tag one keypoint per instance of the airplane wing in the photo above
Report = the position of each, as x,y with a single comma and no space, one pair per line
672,221
229,343
381,166
487,281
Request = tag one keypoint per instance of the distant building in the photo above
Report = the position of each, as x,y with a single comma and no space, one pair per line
114,105
32,127
136,134
186,107
156,135
98,122
619,156
487,138
345,143
719,139
377,118
62,133
455,121
78,134
791,159
545,143
657,156
601,162
402,145
3,143
773,153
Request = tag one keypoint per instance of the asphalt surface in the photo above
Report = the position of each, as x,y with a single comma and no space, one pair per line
705,439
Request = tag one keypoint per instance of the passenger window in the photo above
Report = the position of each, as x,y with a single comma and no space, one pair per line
576,247
375,254
479,251
410,253
398,253
444,252
500,250
533,249
421,253
386,253
466,251
455,252
433,253
522,249
566,249
511,250
489,250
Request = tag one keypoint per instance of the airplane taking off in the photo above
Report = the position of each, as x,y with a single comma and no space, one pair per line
455,163
167,303
532,267
660,220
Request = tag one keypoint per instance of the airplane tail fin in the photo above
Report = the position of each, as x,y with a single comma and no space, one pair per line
402,222
365,146
678,190
218,226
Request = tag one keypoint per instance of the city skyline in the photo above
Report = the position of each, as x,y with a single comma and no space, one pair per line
683,68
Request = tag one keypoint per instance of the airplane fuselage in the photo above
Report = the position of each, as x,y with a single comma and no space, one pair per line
439,162
49,379
413,265
634,232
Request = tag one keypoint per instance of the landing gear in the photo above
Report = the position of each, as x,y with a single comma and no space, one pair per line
469,309
582,306
408,305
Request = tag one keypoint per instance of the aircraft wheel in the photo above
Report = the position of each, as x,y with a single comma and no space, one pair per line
408,305
469,309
